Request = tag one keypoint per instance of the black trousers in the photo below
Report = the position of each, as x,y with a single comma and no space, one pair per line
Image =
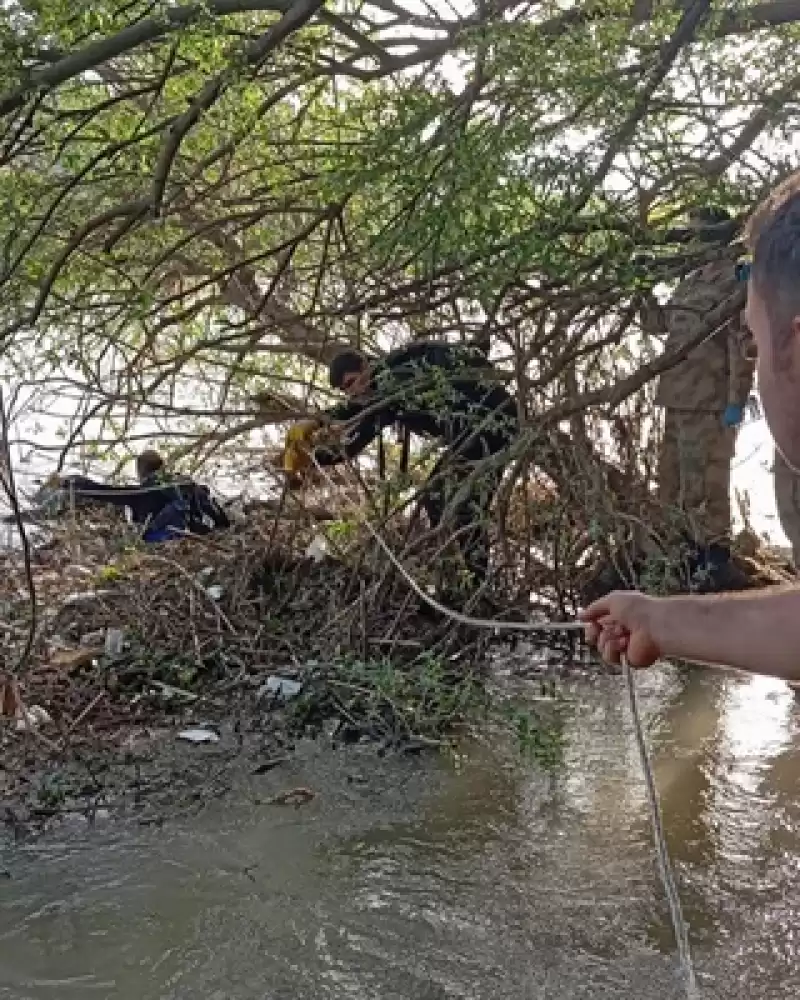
449,502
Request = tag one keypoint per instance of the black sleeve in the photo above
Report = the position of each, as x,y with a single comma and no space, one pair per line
88,489
363,433
353,443
329,456
343,412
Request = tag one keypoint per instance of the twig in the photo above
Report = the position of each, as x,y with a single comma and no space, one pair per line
492,623
133,36
10,490
297,15
89,708
194,584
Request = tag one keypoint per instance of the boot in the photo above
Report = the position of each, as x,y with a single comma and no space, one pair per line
713,571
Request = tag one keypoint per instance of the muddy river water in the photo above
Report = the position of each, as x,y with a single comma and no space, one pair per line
429,878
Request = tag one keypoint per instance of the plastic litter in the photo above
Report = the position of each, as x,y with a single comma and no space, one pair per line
169,692
31,717
94,639
284,687
199,736
87,597
317,549
114,640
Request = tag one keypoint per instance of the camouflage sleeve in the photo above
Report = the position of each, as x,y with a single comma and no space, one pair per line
741,367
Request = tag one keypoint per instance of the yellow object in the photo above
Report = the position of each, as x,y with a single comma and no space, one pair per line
296,457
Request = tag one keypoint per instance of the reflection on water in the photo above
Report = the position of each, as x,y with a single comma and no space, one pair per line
421,880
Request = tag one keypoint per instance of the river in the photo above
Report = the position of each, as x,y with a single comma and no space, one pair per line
429,878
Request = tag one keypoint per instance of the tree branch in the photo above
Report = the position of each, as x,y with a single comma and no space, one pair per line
147,30
119,211
254,55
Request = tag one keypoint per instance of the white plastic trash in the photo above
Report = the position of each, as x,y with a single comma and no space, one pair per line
198,736
32,717
317,549
114,640
285,687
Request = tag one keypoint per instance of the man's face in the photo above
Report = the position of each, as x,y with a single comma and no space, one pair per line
356,383
778,375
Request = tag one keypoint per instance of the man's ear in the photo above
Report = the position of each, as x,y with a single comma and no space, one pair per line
362,382
796,330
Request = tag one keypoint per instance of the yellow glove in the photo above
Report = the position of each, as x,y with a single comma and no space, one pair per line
296,457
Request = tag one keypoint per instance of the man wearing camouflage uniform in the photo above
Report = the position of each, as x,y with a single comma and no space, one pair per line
703,397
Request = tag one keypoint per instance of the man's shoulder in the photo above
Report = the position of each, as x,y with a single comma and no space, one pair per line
416,351
715,276
348,409
434,353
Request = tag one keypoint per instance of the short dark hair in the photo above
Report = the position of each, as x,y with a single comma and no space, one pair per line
148,463
344,363
773,235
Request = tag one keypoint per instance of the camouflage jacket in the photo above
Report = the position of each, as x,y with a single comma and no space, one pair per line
718,372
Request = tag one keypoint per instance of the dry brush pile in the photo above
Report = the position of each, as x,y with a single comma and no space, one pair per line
127,639
296,587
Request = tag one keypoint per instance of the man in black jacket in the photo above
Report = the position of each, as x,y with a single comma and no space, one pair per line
441,391
166,507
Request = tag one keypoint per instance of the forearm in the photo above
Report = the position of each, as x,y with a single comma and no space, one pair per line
87,489
759,633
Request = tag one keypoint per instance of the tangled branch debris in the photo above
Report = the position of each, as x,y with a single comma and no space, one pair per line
134,642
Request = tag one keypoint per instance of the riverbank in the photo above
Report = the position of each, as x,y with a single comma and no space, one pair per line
135,680
144,673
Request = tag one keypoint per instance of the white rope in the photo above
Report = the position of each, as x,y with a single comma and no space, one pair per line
451,613
679,925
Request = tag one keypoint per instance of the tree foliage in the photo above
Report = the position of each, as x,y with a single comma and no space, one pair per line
199,201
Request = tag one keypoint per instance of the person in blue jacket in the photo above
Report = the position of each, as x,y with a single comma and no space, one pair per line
166,507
